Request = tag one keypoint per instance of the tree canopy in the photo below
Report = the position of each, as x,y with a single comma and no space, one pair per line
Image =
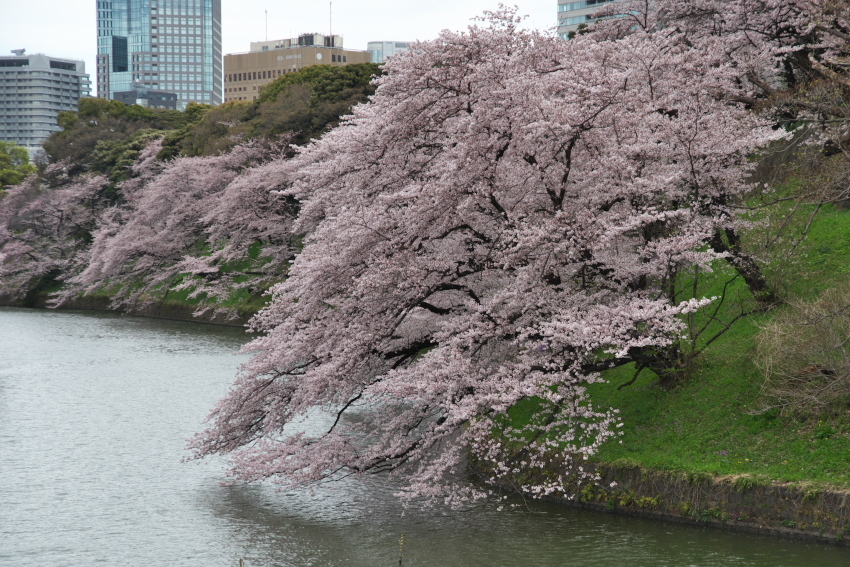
329,83
301,106
14,164
101,127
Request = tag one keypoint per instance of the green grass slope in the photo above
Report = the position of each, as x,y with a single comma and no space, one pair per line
714,422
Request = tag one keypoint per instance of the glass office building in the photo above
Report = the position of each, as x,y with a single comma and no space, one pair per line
382,50
166,46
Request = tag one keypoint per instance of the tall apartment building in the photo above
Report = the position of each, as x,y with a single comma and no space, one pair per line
160,48
34,89
380,51
245,73
572,14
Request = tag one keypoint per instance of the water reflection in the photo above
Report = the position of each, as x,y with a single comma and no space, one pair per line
94,413
299,529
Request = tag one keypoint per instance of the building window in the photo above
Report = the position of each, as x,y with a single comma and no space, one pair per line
581,5
119,54
62,65
586,19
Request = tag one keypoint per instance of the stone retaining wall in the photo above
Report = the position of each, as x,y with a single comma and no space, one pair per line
171,311
741,503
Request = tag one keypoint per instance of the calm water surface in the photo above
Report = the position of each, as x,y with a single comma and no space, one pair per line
94,414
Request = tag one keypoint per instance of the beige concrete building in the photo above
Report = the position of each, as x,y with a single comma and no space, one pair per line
245,73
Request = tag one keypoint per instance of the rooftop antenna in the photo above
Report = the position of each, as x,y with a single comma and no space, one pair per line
332,23
267,25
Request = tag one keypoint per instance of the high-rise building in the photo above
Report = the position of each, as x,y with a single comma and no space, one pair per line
572,14
383,50
161,48
34,89
246,73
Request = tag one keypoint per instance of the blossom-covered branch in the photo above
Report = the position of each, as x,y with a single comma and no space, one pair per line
506,217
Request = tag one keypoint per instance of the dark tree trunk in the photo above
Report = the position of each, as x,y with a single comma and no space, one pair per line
745,266
667,362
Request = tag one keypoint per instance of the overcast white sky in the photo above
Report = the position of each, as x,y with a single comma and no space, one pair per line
67,28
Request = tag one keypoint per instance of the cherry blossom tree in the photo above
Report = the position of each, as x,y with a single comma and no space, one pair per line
43,226
794,54
189,223
507,217
248,228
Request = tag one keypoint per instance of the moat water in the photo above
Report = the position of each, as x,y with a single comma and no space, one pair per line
95,410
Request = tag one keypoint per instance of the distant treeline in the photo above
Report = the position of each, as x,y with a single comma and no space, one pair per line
105,136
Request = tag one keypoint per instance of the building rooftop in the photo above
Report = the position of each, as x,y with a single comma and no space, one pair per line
303,40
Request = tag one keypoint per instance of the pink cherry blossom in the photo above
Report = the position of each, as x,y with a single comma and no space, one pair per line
500,223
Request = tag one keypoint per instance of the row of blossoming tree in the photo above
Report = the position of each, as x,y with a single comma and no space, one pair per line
508,216
188,223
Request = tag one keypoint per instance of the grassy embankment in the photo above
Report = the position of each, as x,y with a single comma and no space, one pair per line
711,449
714,422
